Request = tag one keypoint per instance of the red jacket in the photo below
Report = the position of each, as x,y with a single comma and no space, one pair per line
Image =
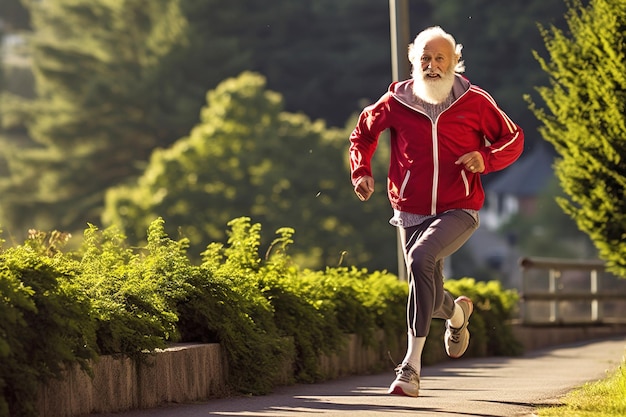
423,177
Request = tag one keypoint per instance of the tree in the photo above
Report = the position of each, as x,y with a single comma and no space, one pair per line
340,58
248,157
584,120
100,107
337,54
117,79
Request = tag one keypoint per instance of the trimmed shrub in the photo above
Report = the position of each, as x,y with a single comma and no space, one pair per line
227,306
107,298
46,323
130,292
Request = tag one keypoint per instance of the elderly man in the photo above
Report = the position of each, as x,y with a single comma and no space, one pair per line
445,133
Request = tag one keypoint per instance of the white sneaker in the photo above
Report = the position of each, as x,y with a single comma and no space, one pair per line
456,340
407,381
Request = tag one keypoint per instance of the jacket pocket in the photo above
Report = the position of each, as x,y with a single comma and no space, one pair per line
465,183
405,181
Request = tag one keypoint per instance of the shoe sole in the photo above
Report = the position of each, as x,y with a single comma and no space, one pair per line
399,391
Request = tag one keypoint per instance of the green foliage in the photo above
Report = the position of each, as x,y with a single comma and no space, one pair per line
385,297
215,312
315,308
63,308
297,315
130,292
341,291
116,80
341,56
249,158
100,107
45,325
601,398
584,120
246,325
312,327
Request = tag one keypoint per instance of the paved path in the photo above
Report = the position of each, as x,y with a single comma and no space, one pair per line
486,387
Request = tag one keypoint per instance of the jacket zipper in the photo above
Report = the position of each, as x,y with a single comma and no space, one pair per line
433,206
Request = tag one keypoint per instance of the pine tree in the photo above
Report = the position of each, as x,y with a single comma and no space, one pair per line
584,120
100,108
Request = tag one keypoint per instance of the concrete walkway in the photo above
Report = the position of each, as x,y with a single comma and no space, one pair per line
486,387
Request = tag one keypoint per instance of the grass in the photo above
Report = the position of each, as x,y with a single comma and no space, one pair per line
604,398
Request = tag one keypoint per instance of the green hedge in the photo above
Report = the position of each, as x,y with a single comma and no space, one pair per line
45,324
63,308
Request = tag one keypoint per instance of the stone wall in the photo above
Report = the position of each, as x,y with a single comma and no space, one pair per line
180,374
183,374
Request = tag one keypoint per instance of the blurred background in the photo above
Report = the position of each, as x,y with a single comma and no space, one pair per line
114,113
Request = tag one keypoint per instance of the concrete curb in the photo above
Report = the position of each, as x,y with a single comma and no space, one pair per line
181,374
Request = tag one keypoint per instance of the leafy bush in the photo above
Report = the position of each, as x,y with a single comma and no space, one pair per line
108,298
310,323
45,326
130,292
141,301
318,308
226,306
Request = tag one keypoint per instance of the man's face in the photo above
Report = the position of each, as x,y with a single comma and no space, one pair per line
437,58
434,82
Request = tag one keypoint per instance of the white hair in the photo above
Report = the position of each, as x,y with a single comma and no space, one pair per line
416,48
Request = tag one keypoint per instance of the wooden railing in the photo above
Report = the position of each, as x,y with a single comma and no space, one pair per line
565,291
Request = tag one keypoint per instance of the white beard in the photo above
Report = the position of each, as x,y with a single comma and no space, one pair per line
432,90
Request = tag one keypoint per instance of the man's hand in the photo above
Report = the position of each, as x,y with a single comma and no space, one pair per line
473,162
364,188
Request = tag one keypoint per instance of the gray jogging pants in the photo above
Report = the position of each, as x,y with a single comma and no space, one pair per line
425,247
